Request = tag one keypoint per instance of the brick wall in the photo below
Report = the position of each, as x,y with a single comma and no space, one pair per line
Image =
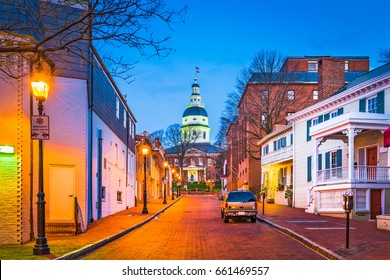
331,76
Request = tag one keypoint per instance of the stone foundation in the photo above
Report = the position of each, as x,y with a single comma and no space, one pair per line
383,222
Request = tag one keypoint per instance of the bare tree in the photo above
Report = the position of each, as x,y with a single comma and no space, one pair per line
229,114
67,28
158,134
384,55
271,92
180,141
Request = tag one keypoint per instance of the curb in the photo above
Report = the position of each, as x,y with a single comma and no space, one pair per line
74,255
305,241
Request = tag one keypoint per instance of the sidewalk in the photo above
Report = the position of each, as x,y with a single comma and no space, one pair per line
327,235
99,233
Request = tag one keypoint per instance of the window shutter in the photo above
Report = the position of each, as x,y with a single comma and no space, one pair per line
284,142
327,160
327,165
320,119
309,169
381,102
339,160
308,125
326,116
319,163
362,105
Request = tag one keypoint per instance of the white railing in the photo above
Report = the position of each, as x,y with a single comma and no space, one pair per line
277,156
372,173
361,173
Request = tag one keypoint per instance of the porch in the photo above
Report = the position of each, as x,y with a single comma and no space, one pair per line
360,174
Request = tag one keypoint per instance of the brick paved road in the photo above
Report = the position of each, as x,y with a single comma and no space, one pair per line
192,229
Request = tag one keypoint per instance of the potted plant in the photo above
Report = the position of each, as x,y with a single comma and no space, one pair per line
288,194
280,188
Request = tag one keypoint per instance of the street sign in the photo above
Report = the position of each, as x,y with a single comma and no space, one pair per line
40,128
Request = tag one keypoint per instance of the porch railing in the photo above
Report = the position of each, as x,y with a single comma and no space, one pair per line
361,173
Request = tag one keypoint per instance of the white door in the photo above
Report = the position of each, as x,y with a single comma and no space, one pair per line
62,186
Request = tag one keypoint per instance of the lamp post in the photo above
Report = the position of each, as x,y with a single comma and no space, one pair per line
145,151
41,91
166,182
173,177
177,186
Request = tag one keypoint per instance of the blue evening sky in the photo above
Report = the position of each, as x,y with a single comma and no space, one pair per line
221,37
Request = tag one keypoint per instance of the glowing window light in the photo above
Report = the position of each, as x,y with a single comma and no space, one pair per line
7,149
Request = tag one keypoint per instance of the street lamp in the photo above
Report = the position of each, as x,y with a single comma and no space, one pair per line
41,91
145,151
165,183
173,179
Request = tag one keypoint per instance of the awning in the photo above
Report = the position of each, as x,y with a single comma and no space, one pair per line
386,137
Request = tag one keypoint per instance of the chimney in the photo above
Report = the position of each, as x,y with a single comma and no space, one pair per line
157,143
331,76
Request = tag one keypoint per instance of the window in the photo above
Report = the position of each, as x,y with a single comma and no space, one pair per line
312,66
346,67
372,104
201,161
103,193
204,134
361,199
264,94
192,161
119,196
280,143
290,95
266,149
331,200
117,107
176,161
315,94
333,164
209,162
124,119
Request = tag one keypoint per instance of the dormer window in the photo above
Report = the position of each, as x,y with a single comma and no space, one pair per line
312,66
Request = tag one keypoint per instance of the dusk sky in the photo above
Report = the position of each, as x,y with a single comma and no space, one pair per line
221,37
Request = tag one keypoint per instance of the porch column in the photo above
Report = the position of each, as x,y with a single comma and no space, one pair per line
317,142
351,154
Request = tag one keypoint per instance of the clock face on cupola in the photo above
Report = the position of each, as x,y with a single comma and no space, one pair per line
195,116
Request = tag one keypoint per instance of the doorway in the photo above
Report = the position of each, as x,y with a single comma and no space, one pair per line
372,160
375,203
62,185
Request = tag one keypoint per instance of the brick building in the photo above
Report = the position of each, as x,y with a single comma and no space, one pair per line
269,97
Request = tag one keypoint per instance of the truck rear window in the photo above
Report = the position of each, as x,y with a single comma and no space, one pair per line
241,197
